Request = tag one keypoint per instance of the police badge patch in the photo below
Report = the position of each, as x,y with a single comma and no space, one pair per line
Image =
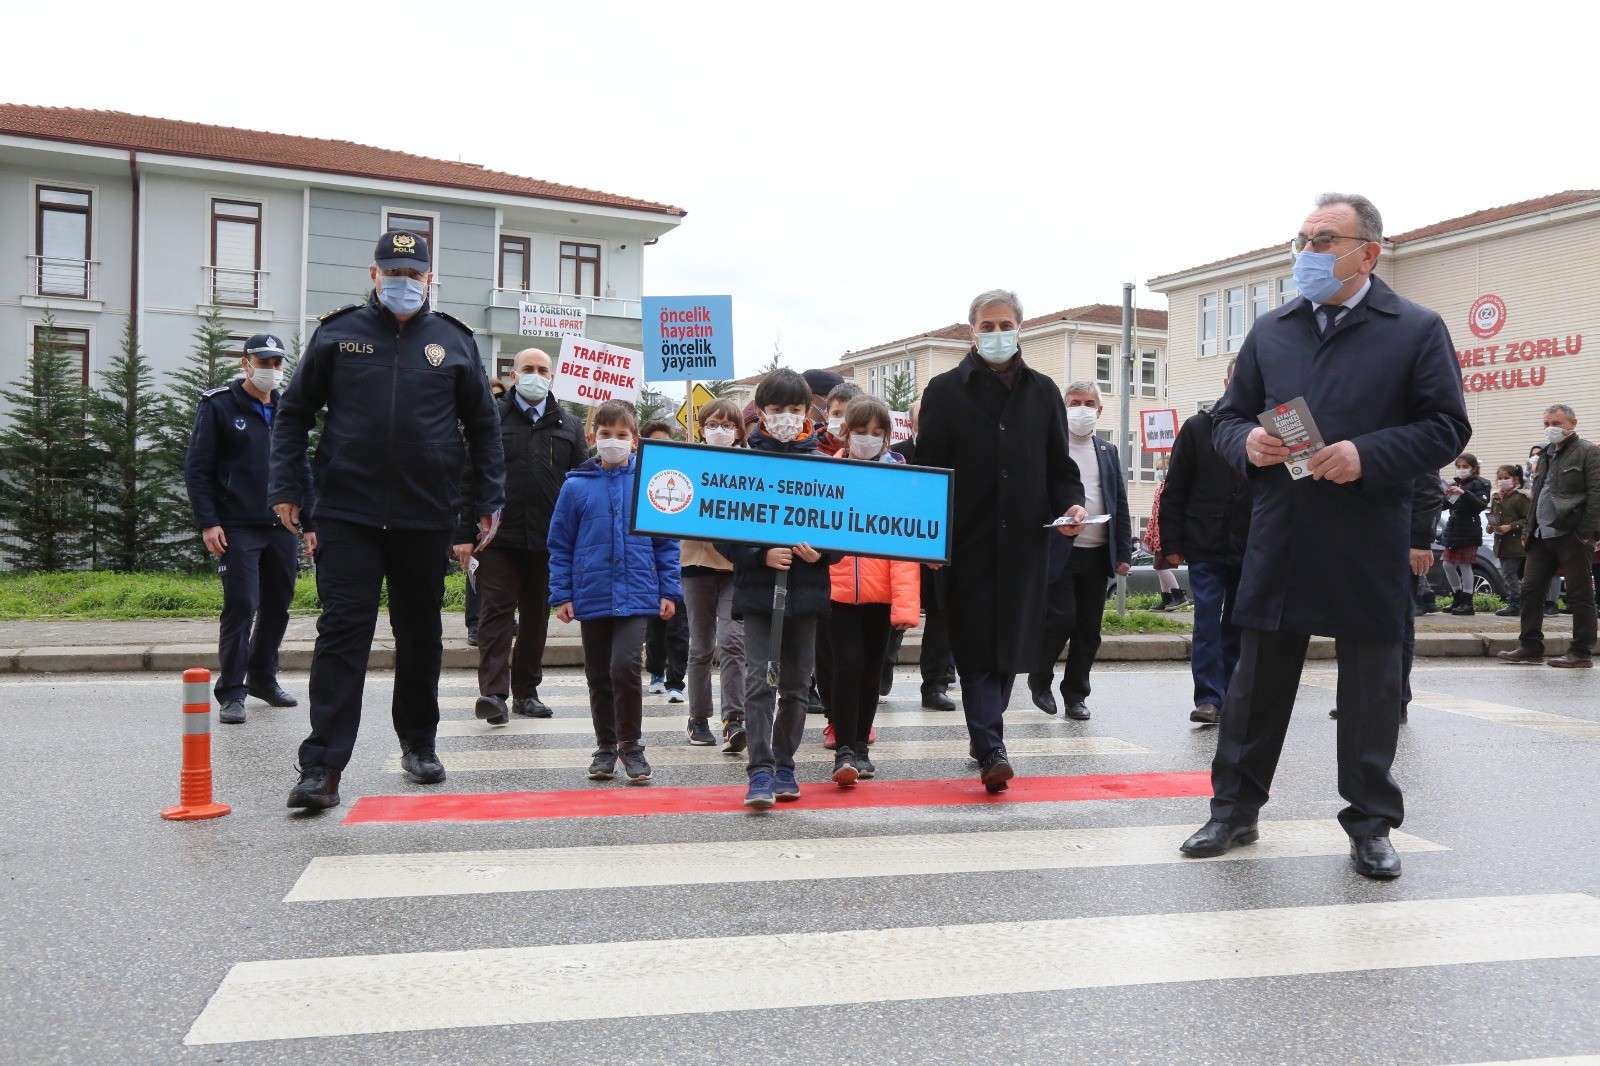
435,353
238,423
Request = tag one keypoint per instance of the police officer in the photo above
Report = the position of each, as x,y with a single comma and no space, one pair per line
225,471
395,378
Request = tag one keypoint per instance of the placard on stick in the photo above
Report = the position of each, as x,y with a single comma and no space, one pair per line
592,373
688,338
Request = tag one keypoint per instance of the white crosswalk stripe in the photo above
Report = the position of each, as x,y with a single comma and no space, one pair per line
699,863
1503,713
1560,1060
888,751
454,989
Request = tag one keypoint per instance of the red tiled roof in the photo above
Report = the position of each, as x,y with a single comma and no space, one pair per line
115,129
1437,229
844,370
1099,314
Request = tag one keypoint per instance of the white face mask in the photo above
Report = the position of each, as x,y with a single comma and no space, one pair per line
266,378
835,427
865,446
721,436
614,451
783,428
1554,434
1082,420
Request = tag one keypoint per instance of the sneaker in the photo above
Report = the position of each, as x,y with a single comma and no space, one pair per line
604,766
658,684
830,739
675,695
864,766
844,768
317,789
700,733
492,709
760,795
635,766
784,786
733,738
422,767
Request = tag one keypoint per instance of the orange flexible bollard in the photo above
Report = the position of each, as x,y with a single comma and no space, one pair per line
194,790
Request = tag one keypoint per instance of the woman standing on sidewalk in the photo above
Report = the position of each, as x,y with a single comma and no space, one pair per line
1463,533
1507,513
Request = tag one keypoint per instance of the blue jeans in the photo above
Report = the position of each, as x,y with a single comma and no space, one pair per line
1215,651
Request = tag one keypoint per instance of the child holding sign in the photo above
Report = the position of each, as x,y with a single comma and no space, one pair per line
775,723
612,597
870,596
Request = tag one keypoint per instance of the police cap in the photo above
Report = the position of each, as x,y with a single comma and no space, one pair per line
399,249
265,346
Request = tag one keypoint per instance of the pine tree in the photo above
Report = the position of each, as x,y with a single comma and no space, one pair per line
653,404
142,515
719,389
45,462
208,367
777,355
901,392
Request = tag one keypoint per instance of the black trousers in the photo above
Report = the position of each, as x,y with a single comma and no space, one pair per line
666,647
984,698
935,657
514,590
822,666
858,634
1074,608
1255,719
1574,558
611,666
353,563
258,571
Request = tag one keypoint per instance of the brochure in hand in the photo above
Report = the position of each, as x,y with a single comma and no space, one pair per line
1292,423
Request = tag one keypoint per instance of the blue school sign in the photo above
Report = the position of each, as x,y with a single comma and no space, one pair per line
688,338
700,492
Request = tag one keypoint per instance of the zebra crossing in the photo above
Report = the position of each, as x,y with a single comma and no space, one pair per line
424,989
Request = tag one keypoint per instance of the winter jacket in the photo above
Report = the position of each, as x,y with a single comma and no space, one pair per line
1427,500
539,454
857,579
225,468
394,394
1205,502
1575,467
809,583
1509,509
1464,529
595,563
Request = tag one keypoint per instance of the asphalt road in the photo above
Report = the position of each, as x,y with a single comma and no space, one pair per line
1037,928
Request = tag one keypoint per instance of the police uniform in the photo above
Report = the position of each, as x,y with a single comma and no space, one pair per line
225,471
387,498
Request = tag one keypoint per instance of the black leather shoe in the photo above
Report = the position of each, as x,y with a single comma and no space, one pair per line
1374,857
317,789
1334,713
1044,699
273,694
1216,838
1078,712
531,707
935,699
996,770
231,713
423,767
492,709
1206,714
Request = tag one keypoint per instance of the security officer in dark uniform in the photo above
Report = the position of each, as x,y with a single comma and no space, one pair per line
396,379
225,470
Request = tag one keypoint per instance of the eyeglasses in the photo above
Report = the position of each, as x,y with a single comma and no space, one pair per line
1322,242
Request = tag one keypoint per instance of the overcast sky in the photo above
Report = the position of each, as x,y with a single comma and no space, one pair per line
855,172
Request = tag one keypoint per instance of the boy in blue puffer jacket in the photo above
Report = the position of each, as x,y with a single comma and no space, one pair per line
612,582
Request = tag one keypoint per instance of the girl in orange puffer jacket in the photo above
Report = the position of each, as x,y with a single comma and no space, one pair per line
869,597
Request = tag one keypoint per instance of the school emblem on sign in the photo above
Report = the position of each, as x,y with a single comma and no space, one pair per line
435,353
669,491
238,423
1487,317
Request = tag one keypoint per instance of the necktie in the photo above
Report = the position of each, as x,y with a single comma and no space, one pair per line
1330,316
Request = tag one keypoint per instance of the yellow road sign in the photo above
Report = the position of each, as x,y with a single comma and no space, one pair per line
700,396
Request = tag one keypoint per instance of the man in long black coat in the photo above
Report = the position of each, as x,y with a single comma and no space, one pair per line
1001,427
1328,553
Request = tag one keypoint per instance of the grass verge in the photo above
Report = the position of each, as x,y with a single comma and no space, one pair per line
130,597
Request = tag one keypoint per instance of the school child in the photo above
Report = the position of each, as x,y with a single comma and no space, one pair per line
1465,499
775,729
708,599
829,441
870,597
612,583
666,641
1507,513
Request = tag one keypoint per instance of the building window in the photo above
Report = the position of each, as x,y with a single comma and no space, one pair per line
235,253
73,342
1147,460
1208,325
1105,368
1286,290
1148,373
1236,319
1260,299
62,235
580,269
515,253
421,225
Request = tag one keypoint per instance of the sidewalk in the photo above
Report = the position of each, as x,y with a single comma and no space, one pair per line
69,646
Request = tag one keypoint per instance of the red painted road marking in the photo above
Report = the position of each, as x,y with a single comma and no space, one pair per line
722,799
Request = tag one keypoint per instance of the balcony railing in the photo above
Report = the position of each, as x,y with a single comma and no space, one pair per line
234,286
51,275
594,305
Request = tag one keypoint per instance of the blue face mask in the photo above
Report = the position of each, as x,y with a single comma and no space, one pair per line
532,387
1313,274
401,295
997,348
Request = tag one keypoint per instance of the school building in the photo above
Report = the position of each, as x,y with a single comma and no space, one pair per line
1516,287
